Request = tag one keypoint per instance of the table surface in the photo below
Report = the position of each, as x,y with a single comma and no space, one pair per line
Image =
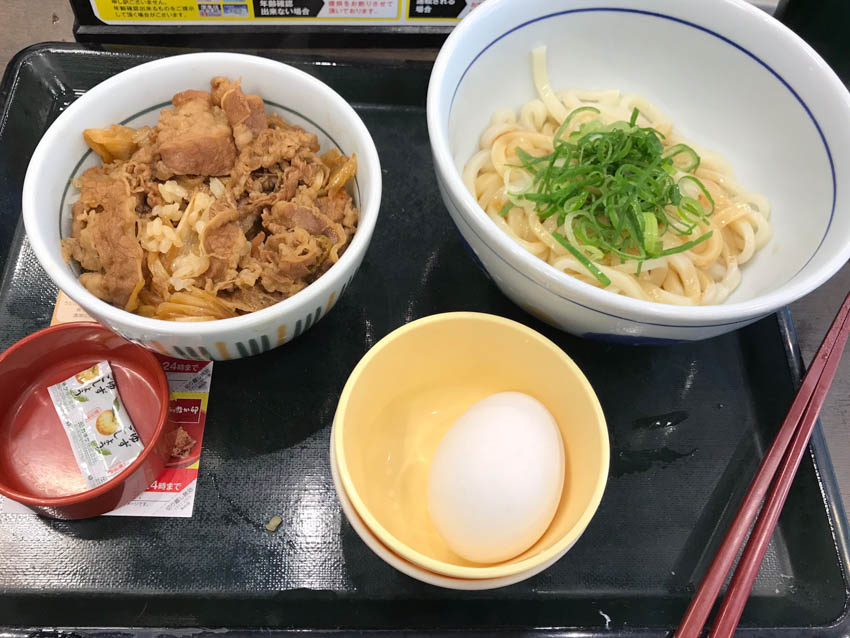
26,22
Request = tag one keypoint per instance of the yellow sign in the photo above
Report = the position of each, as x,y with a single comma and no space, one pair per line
232,12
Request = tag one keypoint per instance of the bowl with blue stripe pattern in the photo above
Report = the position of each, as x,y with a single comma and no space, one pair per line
732,79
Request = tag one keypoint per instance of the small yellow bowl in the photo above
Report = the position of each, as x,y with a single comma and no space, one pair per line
408,390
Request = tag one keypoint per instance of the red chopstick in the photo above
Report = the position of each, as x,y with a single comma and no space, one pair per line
796,427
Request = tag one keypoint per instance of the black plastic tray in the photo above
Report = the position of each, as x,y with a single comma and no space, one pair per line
688,425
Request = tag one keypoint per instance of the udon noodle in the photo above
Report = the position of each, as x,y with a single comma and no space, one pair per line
687,251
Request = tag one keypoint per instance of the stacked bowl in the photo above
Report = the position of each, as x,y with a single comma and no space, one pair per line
403,397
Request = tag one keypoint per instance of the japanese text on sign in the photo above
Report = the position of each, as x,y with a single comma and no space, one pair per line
225,12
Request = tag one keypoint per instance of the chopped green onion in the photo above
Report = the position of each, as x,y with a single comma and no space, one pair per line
573,113
506,209
614,188
683,149
703,189
601,276
651,243
686,245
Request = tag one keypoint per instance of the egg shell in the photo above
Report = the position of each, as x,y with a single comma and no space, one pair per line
497,477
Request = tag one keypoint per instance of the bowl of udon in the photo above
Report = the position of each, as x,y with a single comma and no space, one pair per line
642,172
207,206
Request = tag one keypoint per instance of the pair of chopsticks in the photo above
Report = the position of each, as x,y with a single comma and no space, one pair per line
795,431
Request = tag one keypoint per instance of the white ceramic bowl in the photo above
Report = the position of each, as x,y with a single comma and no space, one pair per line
731,77
408,568
135,98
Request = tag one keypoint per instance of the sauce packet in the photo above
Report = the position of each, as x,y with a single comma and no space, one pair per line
98,426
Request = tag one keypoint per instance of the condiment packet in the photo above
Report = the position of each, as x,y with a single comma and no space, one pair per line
98,426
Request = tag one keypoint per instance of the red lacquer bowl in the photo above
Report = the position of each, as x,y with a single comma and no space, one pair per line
37,465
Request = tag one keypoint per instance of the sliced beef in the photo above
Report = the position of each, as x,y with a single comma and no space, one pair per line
285,216
246,113
276,216
107,245
224,242
195,138
183,97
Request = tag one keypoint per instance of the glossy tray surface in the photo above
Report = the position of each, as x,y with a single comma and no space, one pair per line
688,425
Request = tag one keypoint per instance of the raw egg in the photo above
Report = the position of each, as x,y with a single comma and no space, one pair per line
497,477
